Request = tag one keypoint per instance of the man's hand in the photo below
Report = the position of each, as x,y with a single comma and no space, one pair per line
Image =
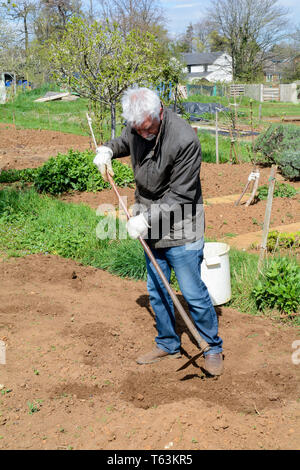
103,161
137,226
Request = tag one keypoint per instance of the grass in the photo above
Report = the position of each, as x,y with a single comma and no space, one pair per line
208,145
63,116
31,223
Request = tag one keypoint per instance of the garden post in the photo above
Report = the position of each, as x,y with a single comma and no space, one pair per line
217,138
266,225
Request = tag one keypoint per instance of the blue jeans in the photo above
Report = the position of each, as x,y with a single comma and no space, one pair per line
186,261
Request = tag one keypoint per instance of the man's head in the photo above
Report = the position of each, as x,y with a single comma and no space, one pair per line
143,111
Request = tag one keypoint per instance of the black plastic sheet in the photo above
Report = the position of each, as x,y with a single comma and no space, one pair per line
196,109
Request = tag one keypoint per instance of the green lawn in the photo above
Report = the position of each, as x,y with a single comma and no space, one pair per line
63,116
208,145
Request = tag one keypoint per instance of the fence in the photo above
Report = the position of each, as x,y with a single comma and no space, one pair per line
208,90
271,94
261,92
258,92
236,90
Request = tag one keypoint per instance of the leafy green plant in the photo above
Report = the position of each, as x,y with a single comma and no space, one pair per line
278,286
280,145
282,240
290,163
11,176
280,190
76,171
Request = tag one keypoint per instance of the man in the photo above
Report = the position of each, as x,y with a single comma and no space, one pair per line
166,158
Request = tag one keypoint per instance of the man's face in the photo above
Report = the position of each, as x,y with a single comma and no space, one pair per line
149,128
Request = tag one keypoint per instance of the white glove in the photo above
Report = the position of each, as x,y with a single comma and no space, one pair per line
103,161
137,226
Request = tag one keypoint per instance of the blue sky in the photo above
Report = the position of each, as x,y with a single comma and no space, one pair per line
182,12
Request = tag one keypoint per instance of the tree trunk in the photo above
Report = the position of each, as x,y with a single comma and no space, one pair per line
26,35
113,120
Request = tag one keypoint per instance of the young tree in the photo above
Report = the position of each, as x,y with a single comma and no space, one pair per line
98,63
251,27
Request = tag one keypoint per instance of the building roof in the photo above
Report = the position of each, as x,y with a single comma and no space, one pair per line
275,67
201,58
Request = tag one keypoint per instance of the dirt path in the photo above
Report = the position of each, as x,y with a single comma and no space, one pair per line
72,335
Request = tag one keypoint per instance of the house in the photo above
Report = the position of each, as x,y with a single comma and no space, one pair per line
212,66
274,69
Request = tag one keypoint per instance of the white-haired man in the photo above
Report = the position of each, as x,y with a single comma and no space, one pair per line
166,158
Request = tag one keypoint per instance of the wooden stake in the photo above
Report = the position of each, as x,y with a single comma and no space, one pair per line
254,188
217,139
266,226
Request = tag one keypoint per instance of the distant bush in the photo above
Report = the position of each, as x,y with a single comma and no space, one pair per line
280,145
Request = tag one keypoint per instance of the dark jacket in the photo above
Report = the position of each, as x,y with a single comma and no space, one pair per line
168,189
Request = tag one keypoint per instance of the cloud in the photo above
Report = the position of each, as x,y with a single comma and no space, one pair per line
187,5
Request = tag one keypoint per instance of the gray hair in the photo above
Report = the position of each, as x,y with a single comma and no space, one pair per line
138,104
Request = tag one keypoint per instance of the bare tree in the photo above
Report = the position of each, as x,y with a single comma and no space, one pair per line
21,12
251,27
53,16
64,9
145,15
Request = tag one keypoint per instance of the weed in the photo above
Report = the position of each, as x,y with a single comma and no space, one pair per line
34,407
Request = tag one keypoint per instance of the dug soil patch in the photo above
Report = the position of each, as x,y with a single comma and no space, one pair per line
72,334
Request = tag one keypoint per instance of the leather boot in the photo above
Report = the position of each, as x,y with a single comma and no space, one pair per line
156,355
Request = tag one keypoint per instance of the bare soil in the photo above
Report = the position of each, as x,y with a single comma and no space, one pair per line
72,334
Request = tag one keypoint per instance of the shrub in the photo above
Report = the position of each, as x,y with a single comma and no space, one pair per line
76,171
280,145
278,286
290,164
11,176
280,190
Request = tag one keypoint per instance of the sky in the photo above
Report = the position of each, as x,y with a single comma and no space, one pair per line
180,13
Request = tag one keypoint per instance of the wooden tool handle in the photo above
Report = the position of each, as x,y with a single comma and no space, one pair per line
203,345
